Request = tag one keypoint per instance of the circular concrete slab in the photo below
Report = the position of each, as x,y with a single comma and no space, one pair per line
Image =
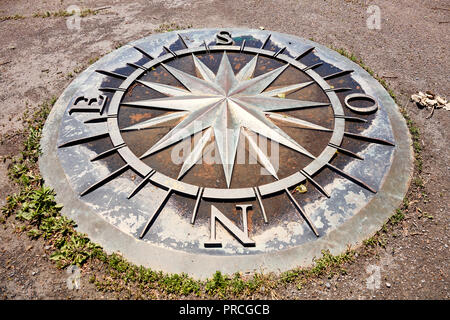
156,149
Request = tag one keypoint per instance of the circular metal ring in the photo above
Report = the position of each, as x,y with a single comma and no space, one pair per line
365,110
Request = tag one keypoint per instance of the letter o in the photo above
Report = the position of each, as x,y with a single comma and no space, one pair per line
363,96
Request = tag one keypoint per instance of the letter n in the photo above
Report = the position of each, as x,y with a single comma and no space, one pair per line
241,236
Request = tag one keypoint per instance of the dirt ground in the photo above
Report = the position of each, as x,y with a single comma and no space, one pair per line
40,56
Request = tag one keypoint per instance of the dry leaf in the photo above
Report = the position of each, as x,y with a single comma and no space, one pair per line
301,188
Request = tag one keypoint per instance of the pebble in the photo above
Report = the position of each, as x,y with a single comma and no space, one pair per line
388,284
33,273
328,285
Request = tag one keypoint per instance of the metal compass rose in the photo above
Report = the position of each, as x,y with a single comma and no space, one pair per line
225,103
225,91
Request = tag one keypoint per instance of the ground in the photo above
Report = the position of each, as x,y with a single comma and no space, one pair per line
40,56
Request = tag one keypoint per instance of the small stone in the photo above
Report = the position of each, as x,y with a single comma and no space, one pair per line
328,285
388,284
47,247
33,273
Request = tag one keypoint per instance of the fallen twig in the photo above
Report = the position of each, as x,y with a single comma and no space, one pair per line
101,8
437,8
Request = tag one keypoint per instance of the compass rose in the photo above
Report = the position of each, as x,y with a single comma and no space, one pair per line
234,150
225,104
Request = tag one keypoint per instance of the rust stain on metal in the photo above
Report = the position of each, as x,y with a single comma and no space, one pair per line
137,117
